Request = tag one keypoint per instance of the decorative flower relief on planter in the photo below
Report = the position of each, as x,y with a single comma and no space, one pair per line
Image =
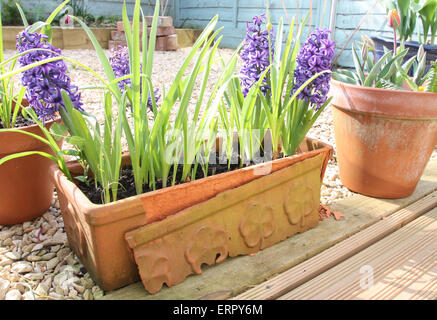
297,208
239,221
257,224
208,242
154,259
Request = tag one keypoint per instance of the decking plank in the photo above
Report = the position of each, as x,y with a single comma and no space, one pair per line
235,275
401,266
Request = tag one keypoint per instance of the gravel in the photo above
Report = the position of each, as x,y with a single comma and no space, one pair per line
36,261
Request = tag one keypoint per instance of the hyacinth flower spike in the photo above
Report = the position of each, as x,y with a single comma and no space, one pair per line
120,64
311,86
298,83
256,54
45,82
315,56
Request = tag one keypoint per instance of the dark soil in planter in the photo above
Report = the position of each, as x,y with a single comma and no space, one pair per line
20,122
127,182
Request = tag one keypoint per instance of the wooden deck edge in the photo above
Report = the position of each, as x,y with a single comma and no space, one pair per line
320,263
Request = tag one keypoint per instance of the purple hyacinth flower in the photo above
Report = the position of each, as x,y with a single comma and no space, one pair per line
120,64
255,55
315,56
44,82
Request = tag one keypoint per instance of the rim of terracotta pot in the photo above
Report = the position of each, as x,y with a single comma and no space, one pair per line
92,209
33,127
12,142
400,104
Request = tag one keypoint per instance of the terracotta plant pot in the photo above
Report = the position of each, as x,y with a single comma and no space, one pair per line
26,190
384,138
97,232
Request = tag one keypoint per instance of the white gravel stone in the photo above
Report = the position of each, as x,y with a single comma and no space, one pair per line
13,294
60,278
88,295
56,296
48,256
22,267
7,234
78,288
51,264
33,258
87,282
38,246
12,255
97,292
4,286
28,248
28,295
34,276
41,289
7,242
63,253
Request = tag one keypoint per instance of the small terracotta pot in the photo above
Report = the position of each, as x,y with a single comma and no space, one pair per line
97,232
384,138
26,190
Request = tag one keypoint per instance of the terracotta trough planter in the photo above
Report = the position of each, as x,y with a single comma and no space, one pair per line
384,138
26,190
194,211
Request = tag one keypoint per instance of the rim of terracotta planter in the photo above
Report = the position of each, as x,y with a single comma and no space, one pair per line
96,216
384,102
23,142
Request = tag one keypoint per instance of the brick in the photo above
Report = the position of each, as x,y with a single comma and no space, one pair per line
120,26
172,43
161,44
164,31
163,21
118,35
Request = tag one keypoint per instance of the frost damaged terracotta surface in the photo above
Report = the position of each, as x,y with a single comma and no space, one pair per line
384,138
97,232
238,221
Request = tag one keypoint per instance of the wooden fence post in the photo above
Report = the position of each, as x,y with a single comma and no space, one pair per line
235,18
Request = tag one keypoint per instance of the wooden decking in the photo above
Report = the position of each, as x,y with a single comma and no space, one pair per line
401,266
383,249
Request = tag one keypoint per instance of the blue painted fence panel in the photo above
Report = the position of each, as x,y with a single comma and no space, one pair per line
233,15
